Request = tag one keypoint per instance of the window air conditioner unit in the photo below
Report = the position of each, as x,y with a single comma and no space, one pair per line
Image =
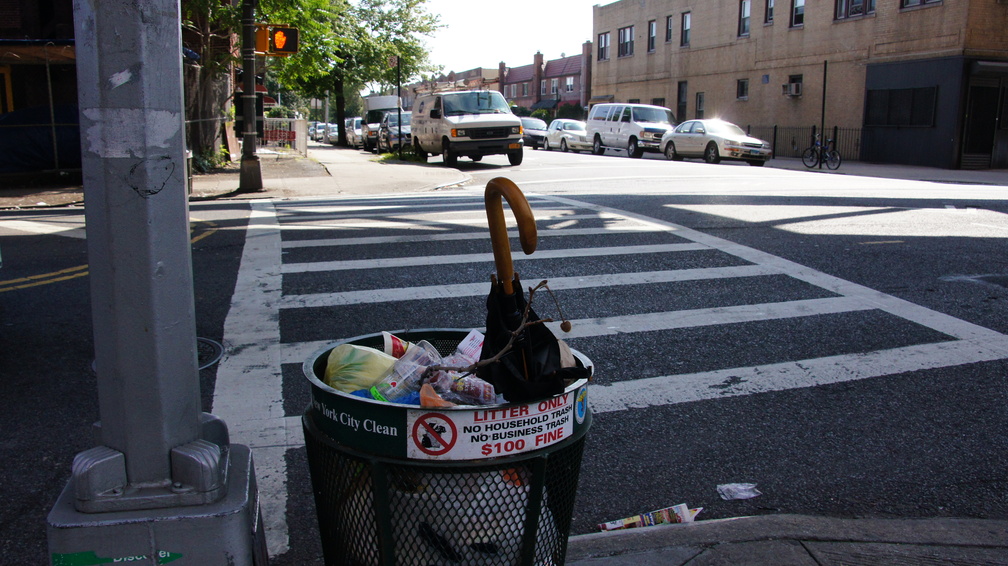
791,89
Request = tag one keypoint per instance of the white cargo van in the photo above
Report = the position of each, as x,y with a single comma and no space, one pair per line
376,107
634,127
473,123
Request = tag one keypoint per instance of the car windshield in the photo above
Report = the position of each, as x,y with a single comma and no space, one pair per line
575,126
725,128
656,115
533,124
393,119
375,116
477,102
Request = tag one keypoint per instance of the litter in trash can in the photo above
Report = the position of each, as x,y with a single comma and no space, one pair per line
493,484
729,491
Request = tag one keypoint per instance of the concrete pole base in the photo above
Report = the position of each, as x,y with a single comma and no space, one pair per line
227,532
250,176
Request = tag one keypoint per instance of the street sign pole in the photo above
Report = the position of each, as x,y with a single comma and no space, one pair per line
163,480
250,174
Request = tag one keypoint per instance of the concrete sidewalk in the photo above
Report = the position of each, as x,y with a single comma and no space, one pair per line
797,540
327,171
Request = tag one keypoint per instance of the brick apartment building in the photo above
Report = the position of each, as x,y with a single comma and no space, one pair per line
547,84
925,82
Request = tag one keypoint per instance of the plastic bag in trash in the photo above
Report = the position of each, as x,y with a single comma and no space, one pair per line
467,518
729,491
351,367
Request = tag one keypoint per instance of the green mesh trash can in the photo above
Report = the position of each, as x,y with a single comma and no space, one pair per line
402,485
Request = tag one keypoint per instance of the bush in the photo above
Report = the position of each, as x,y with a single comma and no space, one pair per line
521,111
543,114
571,111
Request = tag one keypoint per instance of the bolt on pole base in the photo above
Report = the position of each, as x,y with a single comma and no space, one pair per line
228,532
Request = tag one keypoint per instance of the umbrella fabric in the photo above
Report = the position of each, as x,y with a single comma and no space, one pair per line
532,369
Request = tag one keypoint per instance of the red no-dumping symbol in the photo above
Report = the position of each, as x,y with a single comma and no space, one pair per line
434,434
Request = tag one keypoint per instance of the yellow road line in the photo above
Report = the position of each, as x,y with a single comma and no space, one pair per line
80,270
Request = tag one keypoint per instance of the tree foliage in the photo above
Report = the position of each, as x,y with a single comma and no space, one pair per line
344,46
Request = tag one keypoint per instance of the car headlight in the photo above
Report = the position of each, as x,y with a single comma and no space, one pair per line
517,130
458,133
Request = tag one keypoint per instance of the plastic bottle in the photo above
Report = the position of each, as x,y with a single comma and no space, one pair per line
404,376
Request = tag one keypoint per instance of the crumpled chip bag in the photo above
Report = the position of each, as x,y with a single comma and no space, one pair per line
352,368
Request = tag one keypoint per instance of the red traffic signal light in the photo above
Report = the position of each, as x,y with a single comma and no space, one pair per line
283,40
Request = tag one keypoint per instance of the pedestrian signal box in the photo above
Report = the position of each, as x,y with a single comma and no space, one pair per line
276,40
283,40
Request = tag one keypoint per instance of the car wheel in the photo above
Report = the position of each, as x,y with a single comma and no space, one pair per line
449,156
516,157
563,146
597,148
476,157
546,145
670,153
757,163
634,150
418,151
711,154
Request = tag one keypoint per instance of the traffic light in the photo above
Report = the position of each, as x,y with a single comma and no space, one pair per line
283,40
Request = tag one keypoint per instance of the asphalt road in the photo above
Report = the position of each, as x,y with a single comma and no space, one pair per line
840,341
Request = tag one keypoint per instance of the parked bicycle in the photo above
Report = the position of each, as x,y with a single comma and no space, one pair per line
817,153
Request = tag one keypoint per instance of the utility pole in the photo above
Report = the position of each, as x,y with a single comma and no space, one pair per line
250,175
162,482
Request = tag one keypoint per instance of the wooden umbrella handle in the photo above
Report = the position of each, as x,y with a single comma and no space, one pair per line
496,189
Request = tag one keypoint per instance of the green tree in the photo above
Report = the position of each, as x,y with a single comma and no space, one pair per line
206,32
347,47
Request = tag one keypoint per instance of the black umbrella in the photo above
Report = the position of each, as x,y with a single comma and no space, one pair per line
530,366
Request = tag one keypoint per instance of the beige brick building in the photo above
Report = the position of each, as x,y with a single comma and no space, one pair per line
921,81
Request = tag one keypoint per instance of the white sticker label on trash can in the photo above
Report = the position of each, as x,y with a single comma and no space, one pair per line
490,432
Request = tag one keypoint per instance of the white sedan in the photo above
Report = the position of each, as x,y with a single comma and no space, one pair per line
567,135
714,140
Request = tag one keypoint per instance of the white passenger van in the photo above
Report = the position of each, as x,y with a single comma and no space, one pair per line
473,123
634,127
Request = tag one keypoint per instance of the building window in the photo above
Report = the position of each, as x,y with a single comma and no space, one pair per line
524,89
901,107
912,3
797,13
570,84
625,47
854,8
768,15
684,30
652,34
554,86
514,90
742,89
669,28
658,102
631,101
681,101
745,7
542,86
699,105
603,46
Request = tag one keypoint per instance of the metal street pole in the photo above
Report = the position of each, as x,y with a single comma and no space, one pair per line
163,480
822,119
250,174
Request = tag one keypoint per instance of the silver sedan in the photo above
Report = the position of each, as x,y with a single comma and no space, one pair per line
568,135
714,140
